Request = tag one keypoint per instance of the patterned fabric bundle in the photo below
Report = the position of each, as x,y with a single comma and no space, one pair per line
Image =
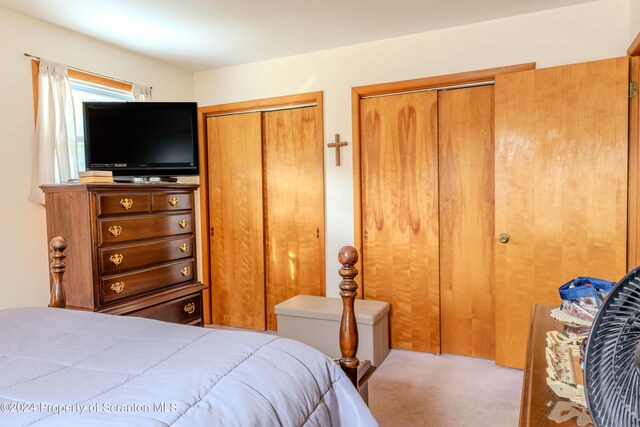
581,300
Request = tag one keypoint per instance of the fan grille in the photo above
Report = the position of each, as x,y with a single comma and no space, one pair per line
612,381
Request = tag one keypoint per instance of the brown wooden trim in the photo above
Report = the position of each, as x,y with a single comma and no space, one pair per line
357,182
259,104
204,218
239,107
634,48
99,80
633,227
359,92
35,71
323,231
466,77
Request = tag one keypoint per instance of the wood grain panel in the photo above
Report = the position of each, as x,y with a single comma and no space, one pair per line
144,227
236,218
69,215
294,206
113,204
475,76
186,310
435,82
174,201
633,252
145,280
400,214
561,188
114,259
466,165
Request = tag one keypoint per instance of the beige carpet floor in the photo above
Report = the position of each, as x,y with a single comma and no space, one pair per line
419,389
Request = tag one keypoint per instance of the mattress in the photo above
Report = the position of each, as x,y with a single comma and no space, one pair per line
64,367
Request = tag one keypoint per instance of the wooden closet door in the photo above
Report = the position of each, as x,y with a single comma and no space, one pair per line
633,250
294,211
466,165
236,218
400,214
561,188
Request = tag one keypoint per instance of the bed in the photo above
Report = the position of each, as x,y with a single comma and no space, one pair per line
63,367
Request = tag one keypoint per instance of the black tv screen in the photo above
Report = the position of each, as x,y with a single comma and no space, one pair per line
141,138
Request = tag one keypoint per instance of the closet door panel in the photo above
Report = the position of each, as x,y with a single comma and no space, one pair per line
633,251
400,214
466,165
236,218
561,188
294,206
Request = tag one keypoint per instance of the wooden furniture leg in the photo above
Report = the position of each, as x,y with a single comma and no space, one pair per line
58,267
347,257
358,372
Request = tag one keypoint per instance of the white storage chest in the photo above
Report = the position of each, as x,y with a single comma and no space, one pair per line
316,320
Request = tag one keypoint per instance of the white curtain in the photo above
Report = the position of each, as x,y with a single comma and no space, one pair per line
55,157
141,93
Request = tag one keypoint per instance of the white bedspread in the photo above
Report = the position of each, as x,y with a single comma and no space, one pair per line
65,367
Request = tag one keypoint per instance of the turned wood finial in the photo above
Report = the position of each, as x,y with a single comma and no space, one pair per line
58,266
348,256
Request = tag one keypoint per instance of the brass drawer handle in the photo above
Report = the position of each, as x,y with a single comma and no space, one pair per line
190,308
184,247
185,271
115,230
117,287
173,201
116,259
126,203
183,223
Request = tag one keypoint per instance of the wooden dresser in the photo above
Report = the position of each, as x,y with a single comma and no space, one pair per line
540,406
131,248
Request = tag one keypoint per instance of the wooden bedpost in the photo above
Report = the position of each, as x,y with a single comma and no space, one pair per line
347,257
58,245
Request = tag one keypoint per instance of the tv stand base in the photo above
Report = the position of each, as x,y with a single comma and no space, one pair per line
144,179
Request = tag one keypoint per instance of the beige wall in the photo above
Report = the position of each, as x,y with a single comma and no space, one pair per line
634,19
594,30
589,31
23,252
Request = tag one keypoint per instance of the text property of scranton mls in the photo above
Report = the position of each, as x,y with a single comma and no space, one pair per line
80,408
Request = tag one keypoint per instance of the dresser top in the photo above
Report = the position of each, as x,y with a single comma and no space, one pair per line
147,186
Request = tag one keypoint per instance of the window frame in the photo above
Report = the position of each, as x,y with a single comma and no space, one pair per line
74,74
78,75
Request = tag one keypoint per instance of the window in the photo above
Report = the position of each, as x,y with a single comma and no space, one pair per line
84,91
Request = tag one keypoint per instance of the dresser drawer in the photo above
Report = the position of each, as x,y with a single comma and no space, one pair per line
119,258
116,230
122,286
123,203
185,310
172,202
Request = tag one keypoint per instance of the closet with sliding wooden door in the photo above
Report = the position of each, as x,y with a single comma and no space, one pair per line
236,220
478,202
266,212
427,217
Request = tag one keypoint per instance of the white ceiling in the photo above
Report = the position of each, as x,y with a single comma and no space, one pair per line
204,34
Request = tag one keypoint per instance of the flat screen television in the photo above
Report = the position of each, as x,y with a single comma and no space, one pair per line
141,139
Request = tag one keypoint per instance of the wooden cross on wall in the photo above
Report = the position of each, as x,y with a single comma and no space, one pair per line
337,145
